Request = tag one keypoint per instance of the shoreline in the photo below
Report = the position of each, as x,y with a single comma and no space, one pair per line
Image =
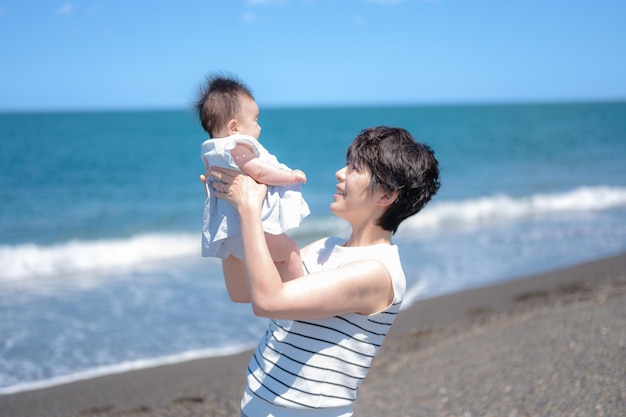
212,386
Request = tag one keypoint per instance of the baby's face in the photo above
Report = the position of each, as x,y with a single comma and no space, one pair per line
248,119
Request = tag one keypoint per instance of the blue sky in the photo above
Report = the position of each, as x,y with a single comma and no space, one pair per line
97,54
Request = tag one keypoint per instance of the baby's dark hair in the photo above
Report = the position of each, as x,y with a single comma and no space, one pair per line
396,163
218,101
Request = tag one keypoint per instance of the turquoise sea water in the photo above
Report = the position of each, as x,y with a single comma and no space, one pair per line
100,212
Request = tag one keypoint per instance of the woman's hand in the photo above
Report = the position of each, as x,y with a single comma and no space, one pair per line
239,189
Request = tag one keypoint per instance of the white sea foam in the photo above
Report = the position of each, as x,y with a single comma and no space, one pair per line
76,257
499,208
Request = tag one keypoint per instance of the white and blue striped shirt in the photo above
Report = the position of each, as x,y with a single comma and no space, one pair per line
314,367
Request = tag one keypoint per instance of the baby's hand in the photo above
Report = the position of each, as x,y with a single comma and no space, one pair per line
299,175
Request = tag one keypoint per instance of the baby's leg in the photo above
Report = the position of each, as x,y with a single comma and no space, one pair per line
286,255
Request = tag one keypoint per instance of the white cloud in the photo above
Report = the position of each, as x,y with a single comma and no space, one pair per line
359,21
67,8
95,9
388,2
250,18
264,2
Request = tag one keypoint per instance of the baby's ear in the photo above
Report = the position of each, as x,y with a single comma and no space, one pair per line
232,126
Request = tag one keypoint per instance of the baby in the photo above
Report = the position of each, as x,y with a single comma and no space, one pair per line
229,114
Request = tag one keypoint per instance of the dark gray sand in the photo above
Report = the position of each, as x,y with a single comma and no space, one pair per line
548,345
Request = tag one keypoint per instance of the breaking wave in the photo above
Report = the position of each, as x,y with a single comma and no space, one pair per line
76,257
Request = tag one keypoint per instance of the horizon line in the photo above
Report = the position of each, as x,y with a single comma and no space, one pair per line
305,106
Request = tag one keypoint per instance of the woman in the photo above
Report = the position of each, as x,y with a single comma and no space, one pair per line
327,326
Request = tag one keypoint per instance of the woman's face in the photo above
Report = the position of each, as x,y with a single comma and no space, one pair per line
352,199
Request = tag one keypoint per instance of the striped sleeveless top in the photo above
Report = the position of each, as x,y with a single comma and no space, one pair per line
314,367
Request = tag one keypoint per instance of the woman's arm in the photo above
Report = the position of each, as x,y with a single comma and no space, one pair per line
263,172
358,287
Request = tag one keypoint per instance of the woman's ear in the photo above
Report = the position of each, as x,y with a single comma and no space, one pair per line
387,199
232,126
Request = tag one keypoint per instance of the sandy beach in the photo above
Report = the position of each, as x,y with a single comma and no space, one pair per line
553,344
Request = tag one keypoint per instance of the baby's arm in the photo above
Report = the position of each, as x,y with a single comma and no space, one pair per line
262,172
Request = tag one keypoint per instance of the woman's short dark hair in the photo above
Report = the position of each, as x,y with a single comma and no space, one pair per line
396,163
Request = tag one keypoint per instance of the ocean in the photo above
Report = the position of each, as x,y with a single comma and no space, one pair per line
100,213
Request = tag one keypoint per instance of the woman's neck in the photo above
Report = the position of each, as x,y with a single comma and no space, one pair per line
368,236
